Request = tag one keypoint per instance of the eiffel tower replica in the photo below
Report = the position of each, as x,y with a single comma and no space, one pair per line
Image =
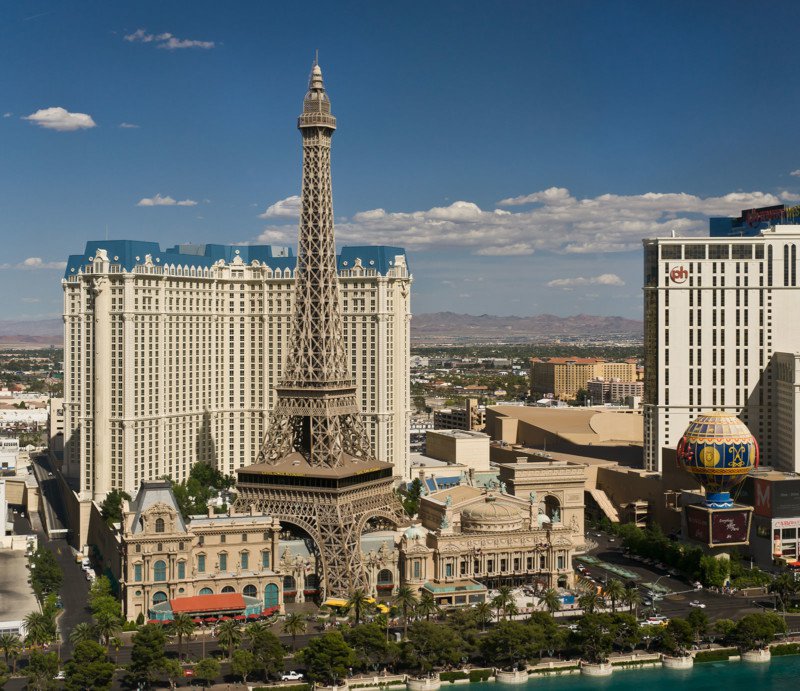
316,469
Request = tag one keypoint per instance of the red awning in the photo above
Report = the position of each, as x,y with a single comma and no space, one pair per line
224,618
222,602
197,620
240,617
153,621
253,616
210,620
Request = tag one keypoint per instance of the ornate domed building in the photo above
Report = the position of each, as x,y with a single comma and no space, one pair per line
473,538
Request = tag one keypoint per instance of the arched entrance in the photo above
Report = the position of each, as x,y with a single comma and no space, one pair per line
159,596
271,596
552,508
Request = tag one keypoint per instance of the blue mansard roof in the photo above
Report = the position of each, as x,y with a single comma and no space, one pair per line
130,253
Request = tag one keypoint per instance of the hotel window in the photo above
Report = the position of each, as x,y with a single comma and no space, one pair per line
201,563
448,570
137,572
181,569
223,561
417,570
265,560
245,559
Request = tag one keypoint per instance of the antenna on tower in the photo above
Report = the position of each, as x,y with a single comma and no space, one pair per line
316,57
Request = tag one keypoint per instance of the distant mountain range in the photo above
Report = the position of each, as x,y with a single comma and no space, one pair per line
42,331
440,327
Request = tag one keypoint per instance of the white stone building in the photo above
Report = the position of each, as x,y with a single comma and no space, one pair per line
172,356
717,310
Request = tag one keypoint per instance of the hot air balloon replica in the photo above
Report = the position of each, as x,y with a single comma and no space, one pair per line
719,450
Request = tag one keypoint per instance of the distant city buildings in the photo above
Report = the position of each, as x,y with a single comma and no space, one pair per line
563,377
613,390
172,357
471,417
720,334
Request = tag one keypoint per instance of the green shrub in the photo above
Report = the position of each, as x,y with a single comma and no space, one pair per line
452,676
479,674
295,687
715,655
130,626
786,649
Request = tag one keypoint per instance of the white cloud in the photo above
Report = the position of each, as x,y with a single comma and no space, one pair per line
601,280
167,40
30,301
7,115
285,208
128,126
557,222
158,200
789,196
34,263
61,120
796,173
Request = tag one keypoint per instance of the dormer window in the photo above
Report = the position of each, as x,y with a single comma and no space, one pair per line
159,525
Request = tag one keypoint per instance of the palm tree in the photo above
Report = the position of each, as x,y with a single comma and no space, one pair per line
589,601
551,600
11,646
255,631
84,631
483,614
294,624
406,601
632,598
614,591
40,628
116,643
183,626
229,635
784,586
107,625
427,605
358,602
503,600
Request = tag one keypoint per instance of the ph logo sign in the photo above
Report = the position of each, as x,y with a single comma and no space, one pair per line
678,274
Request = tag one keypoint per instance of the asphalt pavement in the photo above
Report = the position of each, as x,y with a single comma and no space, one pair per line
676,603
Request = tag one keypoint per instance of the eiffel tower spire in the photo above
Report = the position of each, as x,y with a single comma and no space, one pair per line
316,469
316,413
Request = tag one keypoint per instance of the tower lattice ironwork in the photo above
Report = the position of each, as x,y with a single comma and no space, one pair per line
316,468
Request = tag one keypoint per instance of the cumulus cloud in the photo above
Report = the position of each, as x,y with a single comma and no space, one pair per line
285,208
166,40
796,173
128,126
556,221
601,280
158,200
61,120
8,115
33,263
789,196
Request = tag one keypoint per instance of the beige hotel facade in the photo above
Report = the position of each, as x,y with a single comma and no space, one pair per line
171,357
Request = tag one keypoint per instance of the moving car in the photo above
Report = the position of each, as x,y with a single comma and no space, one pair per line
291,676
697,603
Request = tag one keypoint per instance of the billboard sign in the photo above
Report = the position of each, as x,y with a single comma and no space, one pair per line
718,527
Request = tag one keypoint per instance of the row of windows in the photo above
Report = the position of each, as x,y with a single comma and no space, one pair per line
160,566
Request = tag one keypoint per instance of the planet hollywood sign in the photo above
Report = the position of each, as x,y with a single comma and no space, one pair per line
678,274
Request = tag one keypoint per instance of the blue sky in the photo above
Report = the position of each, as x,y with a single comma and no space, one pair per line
518,150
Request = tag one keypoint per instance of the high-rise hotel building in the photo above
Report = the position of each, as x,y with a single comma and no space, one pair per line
722,330
171,357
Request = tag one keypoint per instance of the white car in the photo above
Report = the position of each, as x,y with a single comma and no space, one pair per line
697,603
291,676
61,676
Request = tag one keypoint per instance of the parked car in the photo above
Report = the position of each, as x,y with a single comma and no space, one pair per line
697,603
291,676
